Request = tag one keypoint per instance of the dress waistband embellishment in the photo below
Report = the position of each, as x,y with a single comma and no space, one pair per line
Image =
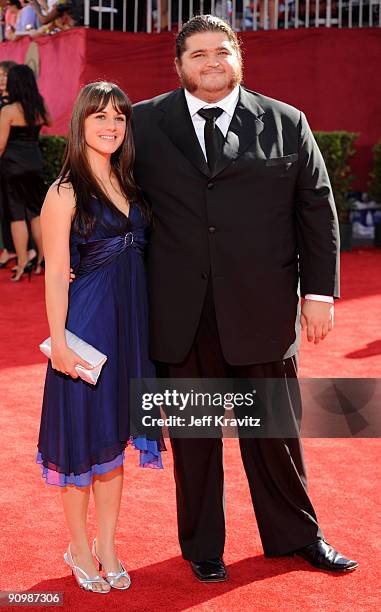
128,239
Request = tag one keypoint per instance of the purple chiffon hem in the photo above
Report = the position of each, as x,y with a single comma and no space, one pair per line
150,457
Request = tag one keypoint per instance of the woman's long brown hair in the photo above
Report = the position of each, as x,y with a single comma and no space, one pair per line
76,169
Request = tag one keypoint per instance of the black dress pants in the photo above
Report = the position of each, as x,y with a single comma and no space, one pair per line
274,466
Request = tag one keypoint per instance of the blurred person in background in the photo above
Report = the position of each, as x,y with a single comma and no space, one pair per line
26,23
4,69
267,15
8,252
21,164
53,15
12,9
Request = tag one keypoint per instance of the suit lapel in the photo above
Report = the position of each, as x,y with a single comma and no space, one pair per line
244,128
177,124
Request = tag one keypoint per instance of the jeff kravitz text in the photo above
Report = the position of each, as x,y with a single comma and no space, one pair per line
204,421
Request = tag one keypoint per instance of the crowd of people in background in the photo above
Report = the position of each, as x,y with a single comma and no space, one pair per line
35,17
23,113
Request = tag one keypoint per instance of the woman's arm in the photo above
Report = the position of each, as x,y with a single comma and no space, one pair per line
56,217
5,125
48,119
43,19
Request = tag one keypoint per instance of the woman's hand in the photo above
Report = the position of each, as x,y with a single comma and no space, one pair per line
64,360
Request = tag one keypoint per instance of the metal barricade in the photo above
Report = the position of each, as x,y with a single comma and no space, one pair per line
154,16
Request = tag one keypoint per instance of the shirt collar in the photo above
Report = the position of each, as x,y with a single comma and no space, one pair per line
227,104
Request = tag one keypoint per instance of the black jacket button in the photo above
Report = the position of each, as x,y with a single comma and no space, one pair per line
204,275
210,185
211,229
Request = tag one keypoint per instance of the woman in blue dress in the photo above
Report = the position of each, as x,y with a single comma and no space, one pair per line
94,221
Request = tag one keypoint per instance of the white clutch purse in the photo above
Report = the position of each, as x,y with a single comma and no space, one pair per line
85,351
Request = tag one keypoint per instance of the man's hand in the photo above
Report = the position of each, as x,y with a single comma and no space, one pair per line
317,319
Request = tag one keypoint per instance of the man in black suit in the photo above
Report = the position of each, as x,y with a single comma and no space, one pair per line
243,211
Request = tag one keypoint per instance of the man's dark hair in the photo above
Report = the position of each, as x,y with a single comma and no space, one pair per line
205,23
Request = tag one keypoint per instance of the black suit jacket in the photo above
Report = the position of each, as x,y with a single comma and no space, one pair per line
260,222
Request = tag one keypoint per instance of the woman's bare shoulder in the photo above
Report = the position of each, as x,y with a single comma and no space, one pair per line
63,189
60,193
14,113
8,110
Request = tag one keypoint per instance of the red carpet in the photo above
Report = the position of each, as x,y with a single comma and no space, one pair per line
344,485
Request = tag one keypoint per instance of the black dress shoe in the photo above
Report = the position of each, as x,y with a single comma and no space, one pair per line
213,570
322,555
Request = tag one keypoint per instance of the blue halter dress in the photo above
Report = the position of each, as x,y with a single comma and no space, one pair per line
85,429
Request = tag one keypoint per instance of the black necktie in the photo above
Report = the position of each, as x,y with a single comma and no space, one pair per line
214,138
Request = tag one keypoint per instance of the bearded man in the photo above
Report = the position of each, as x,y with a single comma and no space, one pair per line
243,212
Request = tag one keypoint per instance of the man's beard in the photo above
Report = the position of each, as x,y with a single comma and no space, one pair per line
190,85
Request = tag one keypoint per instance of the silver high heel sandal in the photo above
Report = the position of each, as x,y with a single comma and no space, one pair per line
113,577
84,581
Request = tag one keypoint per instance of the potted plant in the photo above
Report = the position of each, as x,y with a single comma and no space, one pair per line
52,149
375,189
337,148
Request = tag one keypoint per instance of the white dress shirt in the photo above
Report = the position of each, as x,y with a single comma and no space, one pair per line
228,105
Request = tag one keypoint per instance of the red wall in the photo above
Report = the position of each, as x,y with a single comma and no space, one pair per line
331,74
